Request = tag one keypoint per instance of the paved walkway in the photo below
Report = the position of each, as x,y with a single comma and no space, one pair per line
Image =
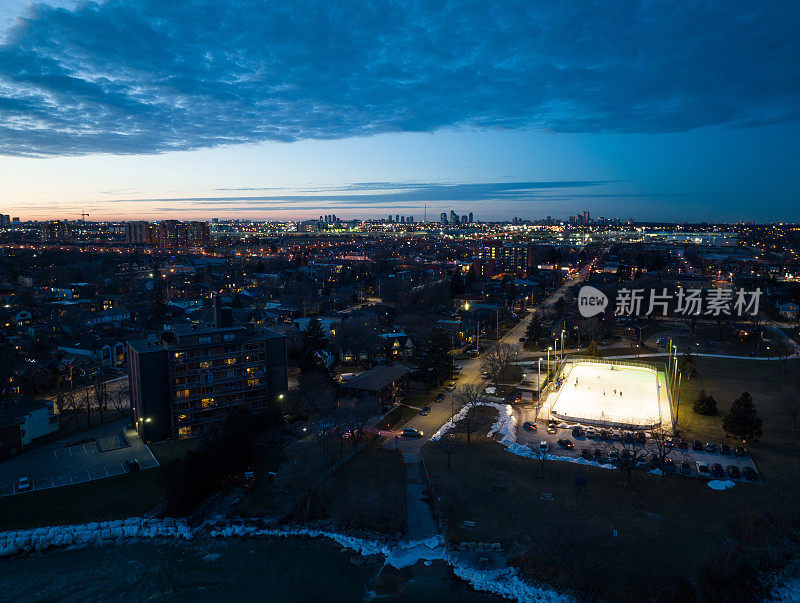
420,521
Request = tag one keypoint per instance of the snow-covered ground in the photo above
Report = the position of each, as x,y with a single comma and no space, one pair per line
598,392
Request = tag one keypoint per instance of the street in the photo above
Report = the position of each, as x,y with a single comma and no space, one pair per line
441,412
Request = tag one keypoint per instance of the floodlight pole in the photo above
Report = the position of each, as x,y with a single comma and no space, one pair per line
539,381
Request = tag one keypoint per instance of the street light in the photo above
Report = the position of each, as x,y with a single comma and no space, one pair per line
548,359
563,332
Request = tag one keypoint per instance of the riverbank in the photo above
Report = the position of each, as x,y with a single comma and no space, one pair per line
400,554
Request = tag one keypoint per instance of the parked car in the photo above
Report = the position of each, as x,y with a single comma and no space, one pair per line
627,437
132,465
543,445
23,484
425,410
577,432
597,454
529,426
587,454
591,433
440,397
522,339
725,449
686,468
698,445
669,443
552,428
565,443
702,469
605,434
750,474
669,466
616,436
733,472
683,444
410,432
612,456
451,386
717,470
641,438
739,451
711,447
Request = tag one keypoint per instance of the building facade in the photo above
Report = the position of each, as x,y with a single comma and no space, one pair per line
193,376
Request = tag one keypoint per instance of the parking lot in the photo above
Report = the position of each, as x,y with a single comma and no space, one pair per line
564,431
111,447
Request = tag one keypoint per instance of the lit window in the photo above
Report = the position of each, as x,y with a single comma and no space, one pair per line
253,382
204,339
205,365
230,361
182,393
207,402
182,418
184,431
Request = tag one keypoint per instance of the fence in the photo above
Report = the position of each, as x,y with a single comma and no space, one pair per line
600,420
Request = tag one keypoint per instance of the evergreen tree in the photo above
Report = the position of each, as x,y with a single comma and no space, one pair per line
705,404
315,338
533,332
434,359
457,286
743,420
592,350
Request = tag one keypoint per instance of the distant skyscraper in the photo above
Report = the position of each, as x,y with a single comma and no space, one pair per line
397,218
464,219
470,217
390,218
443,218
453,217
410,220
56,231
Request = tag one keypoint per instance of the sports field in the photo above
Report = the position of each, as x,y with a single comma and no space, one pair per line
607,394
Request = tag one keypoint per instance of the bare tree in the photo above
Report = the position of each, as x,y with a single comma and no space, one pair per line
120,399
358,413
541,455
449,445
783,352
629,455
497,359
470,398
100,394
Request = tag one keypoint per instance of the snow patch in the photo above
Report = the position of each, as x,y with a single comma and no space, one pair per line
719,484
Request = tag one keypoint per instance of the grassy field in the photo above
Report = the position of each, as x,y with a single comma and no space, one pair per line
111,498
667,529
772,386
369,492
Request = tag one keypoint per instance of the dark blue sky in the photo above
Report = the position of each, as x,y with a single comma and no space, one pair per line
659,110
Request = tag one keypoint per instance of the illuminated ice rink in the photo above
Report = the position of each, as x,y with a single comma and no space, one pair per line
604,393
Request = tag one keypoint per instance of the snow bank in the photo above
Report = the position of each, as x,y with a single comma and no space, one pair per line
20,542
506,583
506,422
718,484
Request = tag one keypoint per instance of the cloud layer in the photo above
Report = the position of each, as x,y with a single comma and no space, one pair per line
151,76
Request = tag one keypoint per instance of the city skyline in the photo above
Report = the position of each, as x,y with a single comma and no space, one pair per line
272,123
